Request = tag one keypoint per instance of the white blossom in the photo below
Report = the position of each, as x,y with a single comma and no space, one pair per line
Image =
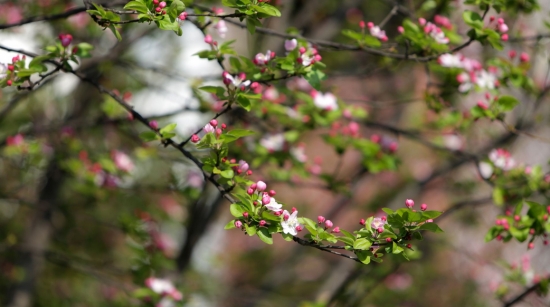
289,226
273,142
325,101
274,205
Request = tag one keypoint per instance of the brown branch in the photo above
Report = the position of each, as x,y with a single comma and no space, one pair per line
522,295
66,14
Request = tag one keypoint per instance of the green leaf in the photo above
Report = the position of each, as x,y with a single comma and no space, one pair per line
267,9
362,244
230,225
498,196
387,210
265,236
243,102
138,6
363,256
396,249
115,32
250,230
473,19
287,236
506,103
148,136
228,173
314,77
239,133
346,240
371,41
218,90
168,128
426,215
236,210
430,227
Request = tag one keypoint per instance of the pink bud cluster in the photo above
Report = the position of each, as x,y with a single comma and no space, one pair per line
263,59
409,203
473,73
374,30
351,129
434,31
238,81
160,7
328,224
500,26
523,57
443,21
308,56
211,127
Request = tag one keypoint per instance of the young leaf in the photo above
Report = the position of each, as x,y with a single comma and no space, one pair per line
265,236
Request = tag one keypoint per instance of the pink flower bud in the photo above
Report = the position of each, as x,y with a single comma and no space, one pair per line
65,39
262,223
238,224
375,138
524,57
370,25
156,2
242,76
245,214
254,85
362,222
400,29
380,229
208,39
409,203
430,221
291,44
218,132
393,147
195,138
328,224
158,9
261,186
214,123
388,240
293,209
320,219
286,217
271,193
384,218
531,245
250,191
517,218
423,207
183,16
266,199
162,4
503,28
336,229
302,50
504,37
154,124
362,24
249,172
421,21
299,228
500,21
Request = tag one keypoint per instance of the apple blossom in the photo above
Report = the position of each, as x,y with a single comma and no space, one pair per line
290,225
409,203
273,142
3,71
502,159
325,101
298,153
122,161
273,205
221,28
291,44
378,223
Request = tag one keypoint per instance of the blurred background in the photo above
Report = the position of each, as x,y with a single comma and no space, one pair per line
88,211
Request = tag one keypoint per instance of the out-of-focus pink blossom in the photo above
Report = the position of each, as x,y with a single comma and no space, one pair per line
122,161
